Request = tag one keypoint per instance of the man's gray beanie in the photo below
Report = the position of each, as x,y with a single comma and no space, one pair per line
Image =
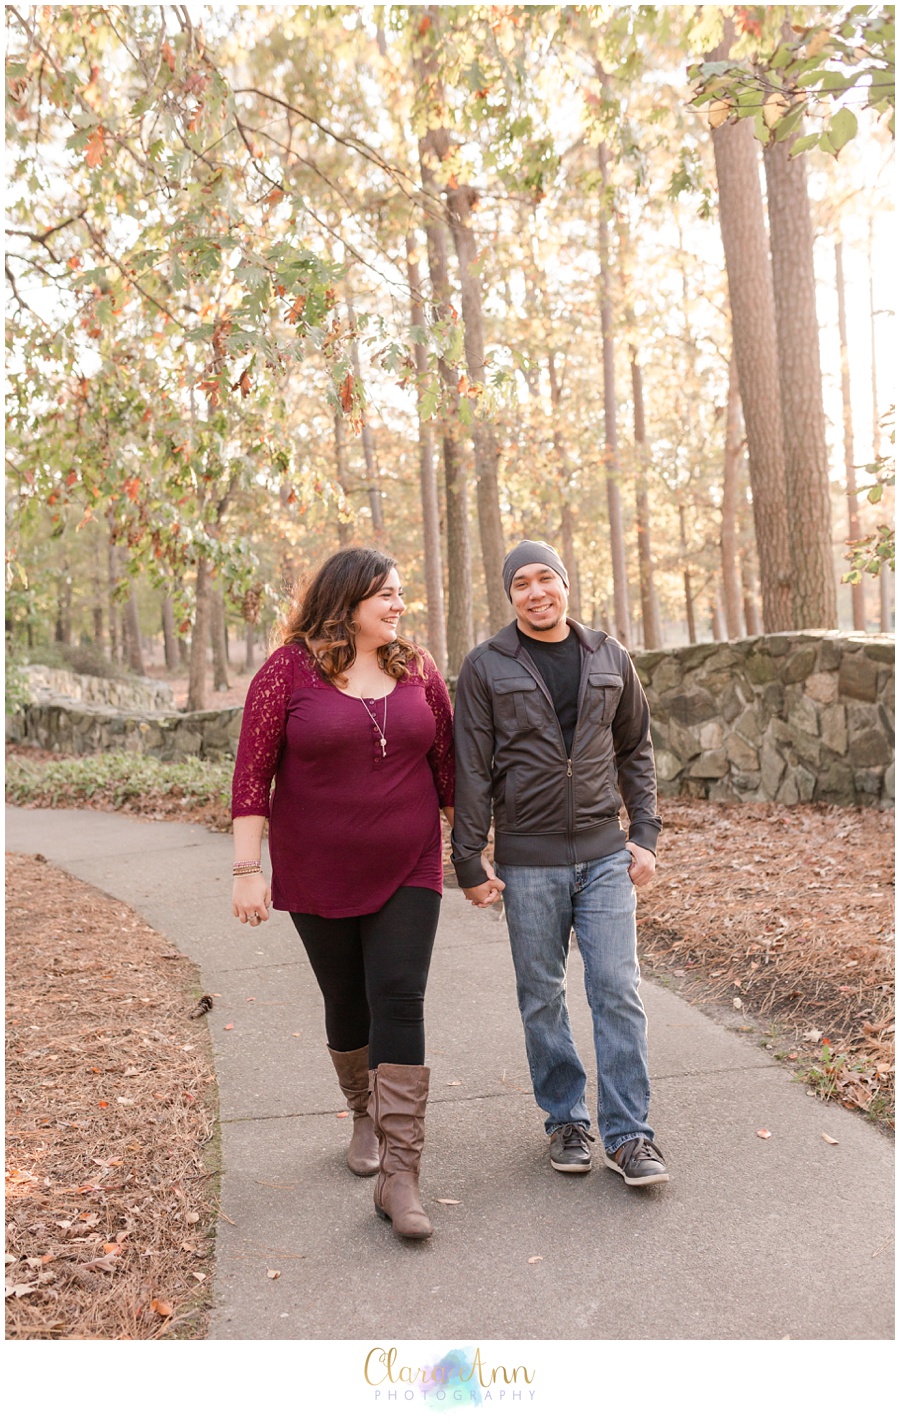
532,551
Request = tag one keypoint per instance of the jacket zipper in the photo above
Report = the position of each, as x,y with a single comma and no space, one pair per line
525,657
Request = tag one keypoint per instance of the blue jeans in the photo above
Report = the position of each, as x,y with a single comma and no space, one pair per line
543,903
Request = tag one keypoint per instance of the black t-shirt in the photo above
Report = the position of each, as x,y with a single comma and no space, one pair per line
559,664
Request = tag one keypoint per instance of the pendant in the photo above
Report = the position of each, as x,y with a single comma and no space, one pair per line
383,746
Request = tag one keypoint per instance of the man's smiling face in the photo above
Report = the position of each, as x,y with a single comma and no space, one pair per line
539,598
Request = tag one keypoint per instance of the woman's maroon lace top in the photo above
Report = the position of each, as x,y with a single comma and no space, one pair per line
347,826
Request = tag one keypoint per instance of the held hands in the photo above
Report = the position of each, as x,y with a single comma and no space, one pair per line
643,864
250,899
488,893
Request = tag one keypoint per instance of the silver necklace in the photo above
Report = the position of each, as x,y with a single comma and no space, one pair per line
382,731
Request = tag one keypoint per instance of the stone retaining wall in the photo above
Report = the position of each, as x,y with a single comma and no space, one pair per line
793,717
50,685
78,729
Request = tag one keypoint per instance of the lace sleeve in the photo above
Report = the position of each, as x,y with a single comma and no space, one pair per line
262,734
440,756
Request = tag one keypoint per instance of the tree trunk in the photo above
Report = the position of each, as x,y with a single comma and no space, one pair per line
611,440
652,624
373,479
250,639
219,641
752,619
132,630
570,558
885,582
731,580
64,606
460,202
753,324
688,594
344,527
460,633
857,590
428,488
814,594
717,618
196,699
170,644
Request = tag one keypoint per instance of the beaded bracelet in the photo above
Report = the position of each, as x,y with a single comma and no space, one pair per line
246,870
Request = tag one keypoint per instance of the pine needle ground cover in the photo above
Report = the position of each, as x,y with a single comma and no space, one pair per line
782,919
110,1120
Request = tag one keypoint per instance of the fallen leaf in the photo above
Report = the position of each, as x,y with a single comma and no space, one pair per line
832,1141
763,1133
272,1275
738,1002
534,1259
344,1113
112,1247
128,1102
192,1217
200,1276
103,1103
812,1036
162,1308
454,1083
229,1026
449,1201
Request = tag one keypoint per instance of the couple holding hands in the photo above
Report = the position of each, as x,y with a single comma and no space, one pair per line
552,731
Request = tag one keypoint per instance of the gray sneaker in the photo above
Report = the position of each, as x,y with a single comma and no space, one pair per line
639,1161
569,1151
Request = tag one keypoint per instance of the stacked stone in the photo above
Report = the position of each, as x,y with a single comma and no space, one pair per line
79,730
793,717
49,685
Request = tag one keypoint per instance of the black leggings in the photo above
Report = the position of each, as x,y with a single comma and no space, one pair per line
372,971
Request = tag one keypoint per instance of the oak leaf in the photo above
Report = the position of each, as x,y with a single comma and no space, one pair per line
95,152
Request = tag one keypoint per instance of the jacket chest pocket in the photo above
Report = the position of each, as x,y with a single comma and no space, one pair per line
516,703
604,692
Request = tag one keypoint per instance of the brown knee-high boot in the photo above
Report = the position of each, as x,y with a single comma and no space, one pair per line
397,1105
353,1076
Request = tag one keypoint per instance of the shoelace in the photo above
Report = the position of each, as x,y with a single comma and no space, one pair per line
640,1149
575,1130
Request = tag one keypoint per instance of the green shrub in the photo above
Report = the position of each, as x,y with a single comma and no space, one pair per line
16,686
120,777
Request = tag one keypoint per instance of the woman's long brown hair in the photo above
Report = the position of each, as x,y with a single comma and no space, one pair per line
322,614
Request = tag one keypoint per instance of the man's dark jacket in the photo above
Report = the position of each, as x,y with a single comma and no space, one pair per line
549,809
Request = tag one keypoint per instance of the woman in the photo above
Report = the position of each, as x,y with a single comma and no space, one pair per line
354,723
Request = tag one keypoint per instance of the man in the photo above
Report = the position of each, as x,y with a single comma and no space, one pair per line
551,725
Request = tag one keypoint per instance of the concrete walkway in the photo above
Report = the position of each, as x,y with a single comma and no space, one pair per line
752,1238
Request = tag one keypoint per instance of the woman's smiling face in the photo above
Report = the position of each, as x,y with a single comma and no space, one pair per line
376,617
